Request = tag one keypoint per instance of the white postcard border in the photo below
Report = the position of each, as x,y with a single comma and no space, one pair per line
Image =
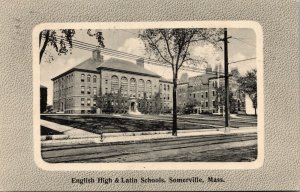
159,165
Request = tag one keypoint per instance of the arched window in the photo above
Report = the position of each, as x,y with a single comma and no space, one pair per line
94,79
114,84
132,88
149,88
82,77
141,88
124,86
88,78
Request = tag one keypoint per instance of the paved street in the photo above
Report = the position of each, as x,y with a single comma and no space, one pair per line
202,148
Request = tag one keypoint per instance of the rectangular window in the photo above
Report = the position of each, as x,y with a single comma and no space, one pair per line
82,89
206,103
95,91
89,90
94,103
206,94
201,94
82,101
213,92
82,77
82,111
89,102
214,103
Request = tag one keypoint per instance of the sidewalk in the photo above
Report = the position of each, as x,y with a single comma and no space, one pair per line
77,136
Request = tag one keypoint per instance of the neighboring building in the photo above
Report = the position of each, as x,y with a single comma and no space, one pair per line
43,98
166,94
202,90
75,90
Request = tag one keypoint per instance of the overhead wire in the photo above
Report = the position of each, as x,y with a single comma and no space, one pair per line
91,47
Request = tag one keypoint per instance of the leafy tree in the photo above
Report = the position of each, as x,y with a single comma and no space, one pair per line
220,99
62,40
120,103
112,103
143,106
105,102
157,105
191,103
248,85
173,47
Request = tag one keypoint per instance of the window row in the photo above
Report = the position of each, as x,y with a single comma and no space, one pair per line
194,95
63,80
165,87
134,87
202,104
88,78
164,96
87,102
88,90
140,95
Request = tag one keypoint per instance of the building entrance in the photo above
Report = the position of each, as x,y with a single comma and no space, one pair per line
132,106
133,110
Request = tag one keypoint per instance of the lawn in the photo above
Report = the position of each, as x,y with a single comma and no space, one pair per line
112,124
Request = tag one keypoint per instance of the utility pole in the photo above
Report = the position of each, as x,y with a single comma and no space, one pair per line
226,80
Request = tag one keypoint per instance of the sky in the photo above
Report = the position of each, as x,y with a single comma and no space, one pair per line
241,46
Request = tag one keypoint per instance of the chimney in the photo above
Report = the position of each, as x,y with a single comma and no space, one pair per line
140,62
208,69
97,55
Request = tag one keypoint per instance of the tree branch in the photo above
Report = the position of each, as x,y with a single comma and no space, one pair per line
155,46
44,45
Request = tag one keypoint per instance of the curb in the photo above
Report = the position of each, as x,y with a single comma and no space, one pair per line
61,137
133,139
54,137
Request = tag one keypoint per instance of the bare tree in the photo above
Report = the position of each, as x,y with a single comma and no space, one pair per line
174,46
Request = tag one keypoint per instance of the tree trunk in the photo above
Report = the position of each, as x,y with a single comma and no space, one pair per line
174,130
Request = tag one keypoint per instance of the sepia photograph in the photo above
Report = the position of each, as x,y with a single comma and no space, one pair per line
164,95
148,94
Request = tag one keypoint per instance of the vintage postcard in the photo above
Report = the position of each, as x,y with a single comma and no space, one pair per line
148,96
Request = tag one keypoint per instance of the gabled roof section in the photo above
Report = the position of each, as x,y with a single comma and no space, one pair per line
203,79
162,79
89,64
115,64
